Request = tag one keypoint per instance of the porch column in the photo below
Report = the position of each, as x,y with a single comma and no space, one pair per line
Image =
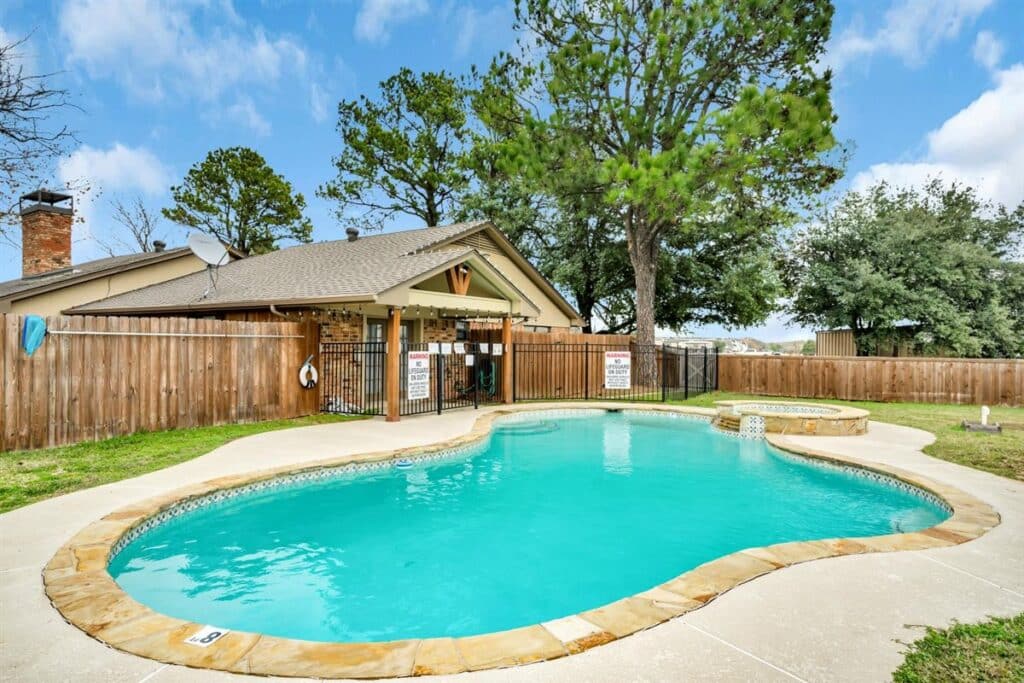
506,363
392,363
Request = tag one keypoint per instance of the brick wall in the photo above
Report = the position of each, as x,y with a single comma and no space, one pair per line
45,240
343,365
342,329
435,330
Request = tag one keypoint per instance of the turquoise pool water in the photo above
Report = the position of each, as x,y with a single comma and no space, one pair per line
552,517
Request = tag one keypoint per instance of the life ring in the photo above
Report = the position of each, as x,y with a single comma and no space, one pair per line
308,376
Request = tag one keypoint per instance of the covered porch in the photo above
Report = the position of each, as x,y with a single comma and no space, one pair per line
406,351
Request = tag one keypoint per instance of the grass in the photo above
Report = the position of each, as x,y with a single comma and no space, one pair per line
990,651
30,476
1001,454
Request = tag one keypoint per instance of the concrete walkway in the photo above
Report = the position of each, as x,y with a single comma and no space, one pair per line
840,619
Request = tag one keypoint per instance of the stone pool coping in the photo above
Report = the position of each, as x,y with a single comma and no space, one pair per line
78,584
766,416
750,407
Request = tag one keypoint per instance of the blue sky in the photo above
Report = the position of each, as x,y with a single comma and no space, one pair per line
922,87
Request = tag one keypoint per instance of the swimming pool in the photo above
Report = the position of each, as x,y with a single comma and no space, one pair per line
552,515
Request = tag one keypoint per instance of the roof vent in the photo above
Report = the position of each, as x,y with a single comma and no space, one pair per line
159,245
353,234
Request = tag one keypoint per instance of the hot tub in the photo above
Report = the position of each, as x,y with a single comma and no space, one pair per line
754,419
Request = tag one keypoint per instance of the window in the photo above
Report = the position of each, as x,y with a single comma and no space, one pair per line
537,328
461,330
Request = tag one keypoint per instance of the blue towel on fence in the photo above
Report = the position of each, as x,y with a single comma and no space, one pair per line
32,333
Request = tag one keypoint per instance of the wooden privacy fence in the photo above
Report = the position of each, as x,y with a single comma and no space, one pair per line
483,332
919,380
96,377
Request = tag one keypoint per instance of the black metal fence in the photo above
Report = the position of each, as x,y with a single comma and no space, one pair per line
352,378
439,377
628,372
457,375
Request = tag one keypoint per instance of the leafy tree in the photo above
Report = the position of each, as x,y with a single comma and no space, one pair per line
235,196
29,140
707,122
926,267
404,153
809,348
558,220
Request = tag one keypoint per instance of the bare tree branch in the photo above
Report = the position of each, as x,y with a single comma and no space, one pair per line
140,227
29,139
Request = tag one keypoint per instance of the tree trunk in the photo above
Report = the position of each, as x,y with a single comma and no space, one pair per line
432,213
643,255
586,311
585,307
861,340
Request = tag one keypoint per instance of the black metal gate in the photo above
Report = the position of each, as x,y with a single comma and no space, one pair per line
461,374
458,375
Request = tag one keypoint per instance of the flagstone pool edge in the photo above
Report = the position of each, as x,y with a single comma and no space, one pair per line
80,588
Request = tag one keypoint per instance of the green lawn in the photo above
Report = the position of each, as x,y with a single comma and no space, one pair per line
28,476
990,651
1001,454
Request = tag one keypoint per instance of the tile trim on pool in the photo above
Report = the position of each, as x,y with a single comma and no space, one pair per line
80,588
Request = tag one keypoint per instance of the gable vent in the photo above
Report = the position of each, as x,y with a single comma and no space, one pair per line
480,241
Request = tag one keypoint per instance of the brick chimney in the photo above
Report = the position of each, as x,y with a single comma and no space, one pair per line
45,232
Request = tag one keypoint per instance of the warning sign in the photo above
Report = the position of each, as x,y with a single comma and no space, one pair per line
617,369
418,383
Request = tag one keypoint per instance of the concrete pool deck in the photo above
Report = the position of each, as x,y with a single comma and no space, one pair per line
834,619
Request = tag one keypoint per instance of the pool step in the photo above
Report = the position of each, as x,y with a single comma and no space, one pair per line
728,422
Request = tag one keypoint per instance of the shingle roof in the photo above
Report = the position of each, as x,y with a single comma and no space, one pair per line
84,271
367,266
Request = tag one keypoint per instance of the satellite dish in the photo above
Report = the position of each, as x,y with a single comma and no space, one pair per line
208,249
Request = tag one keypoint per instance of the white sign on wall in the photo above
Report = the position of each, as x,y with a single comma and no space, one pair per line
446,349
617,369
418,383
459,347
496,350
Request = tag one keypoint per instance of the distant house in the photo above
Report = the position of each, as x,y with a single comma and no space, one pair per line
50,283
841,343
437,279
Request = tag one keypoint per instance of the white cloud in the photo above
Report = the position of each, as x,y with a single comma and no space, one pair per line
982,145
117,169
375,17
988,50
244,112
318,103
470,21
910,31
154,46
